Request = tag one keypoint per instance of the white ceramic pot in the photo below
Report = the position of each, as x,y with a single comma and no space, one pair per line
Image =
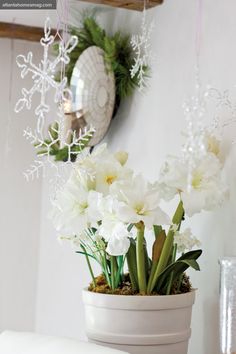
139,324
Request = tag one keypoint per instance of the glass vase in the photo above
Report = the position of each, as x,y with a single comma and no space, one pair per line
228,305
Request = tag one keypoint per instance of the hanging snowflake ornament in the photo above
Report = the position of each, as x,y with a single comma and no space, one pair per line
52,152
141,45
194,111
194,147
43,75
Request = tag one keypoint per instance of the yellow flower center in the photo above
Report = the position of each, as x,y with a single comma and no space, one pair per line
110,179
139,209
81,207
197,180
213,145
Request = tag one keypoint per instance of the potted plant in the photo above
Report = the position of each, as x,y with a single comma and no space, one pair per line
141,302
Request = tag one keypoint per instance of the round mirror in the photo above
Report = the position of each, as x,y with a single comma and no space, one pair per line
94,92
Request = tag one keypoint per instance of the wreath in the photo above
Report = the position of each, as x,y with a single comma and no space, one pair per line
119,55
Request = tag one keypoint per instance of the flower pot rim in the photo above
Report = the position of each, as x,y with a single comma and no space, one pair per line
138,303
192,291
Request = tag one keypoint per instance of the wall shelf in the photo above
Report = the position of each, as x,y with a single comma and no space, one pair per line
131,5
27,33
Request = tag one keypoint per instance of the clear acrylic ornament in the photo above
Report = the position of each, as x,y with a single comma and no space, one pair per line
228,305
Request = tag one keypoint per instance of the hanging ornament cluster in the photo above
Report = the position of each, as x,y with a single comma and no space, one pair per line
59,142
43,75
141,44
195,113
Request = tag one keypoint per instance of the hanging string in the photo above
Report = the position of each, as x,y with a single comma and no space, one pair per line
198,42
62,27
199,27
194,109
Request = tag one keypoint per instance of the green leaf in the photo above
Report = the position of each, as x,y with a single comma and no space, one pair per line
191,263
177,268
86,254
132,264
42,152
157,230
158,244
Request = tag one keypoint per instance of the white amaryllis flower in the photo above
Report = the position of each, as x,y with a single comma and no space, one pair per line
108,172
118,245
207,189
112,229
122,157
140,202
70,210
185,241
173,178
101,169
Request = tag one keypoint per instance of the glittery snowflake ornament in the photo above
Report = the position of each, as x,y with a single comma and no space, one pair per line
194,111
52,152
141,45
43,75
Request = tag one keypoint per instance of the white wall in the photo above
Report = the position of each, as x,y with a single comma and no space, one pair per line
149,127
20,204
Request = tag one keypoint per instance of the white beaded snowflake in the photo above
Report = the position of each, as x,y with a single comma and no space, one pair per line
73,147
194,111
141,45
43,75
194,147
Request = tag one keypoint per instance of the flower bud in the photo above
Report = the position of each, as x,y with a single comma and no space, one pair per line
122,157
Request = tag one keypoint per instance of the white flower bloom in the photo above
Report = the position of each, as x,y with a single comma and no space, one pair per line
118,246
207,189
112,229
95,202
186,241
86,166
101,169
122,157
173,178
83,178
108,172
140,202
70,210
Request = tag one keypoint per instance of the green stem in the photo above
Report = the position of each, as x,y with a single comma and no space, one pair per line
89,265
120,271
105,270
141,259
113,272
167,248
